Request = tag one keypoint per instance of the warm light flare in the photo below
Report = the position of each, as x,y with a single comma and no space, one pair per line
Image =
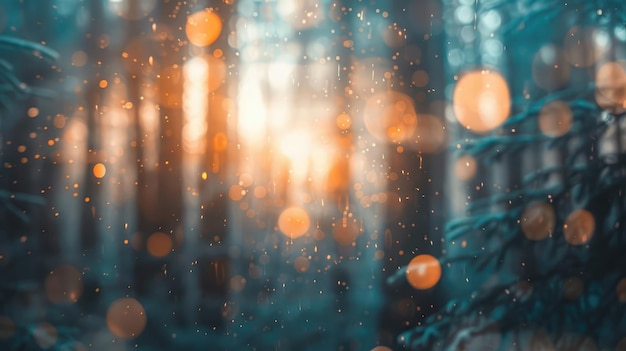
344,121
482,100
555,119
203,27
159,244
579,227
423,272
294,222
99,170
126,318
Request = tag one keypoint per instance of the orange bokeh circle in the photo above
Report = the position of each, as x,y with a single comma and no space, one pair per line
294,222
481,101
423,272
203,27
126,318
159,244
538,221
579,227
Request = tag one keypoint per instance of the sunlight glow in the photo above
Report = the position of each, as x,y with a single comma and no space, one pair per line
195,108
252,121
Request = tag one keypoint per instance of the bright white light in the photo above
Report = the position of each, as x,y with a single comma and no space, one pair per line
296,145
252,121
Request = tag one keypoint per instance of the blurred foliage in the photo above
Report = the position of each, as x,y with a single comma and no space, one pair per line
534,296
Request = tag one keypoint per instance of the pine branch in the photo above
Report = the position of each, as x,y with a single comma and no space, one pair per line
11,43
535,14
10,88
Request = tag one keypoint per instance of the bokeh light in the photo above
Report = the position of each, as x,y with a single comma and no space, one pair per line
236,192
79,58
538,221
465,167
423,272
579,227
159,244
481,100
294,222
420,78
555,118
59,121
64,285
203,27
344,121
245,170
99,170
32,112
260,191
126,318
301,264
346,231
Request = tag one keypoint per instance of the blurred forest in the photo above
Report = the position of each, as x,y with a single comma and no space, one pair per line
312,175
